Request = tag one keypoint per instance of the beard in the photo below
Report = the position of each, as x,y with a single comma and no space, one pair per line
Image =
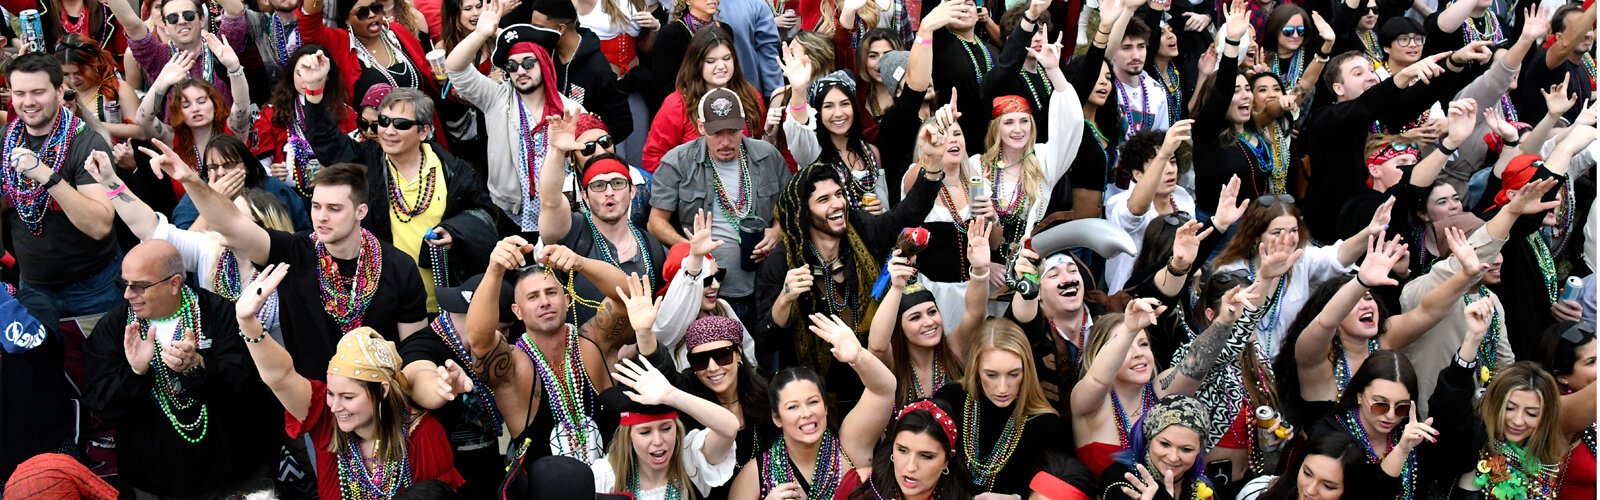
820,223
535,86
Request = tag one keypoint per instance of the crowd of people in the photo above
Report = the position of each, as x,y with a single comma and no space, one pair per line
798,249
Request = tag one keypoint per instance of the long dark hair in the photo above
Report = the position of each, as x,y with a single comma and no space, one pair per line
1381,365
854,140
952,483
450,31
94,63
233,149
96,26
1276,20
692,85
1286,368
752,391
284,94
1561,355
1336,445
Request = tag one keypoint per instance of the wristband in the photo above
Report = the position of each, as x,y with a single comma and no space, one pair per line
236,71
1511,143
1362,283
1232,42
1031,20
54,179
313,92
1464,363
117,192
797,108
977,276
924,41
1175,272
1447,150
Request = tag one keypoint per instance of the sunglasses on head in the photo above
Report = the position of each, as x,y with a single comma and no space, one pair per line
529,63
1273,199
719,277
364,13
590,147
1381,408
722,356
397,123
1176,219
187,16
1226,278
1579,333
1294,31
69,45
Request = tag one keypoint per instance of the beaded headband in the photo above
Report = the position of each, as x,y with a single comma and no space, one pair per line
939,415
1010,104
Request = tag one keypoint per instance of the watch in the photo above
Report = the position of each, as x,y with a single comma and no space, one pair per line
55,178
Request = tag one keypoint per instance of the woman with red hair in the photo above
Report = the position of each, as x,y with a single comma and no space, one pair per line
102,98
195,111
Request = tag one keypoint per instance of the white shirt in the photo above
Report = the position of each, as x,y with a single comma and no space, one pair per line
1120,267
702,474
1316,265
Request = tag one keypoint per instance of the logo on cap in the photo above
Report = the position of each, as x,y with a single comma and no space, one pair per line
721,106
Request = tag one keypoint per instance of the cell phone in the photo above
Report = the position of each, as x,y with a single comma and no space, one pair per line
1220,472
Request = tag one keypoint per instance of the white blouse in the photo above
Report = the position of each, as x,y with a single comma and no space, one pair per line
702,474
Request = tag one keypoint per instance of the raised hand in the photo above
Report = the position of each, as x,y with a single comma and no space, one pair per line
1141,313
1381,257
561,258
100,167
175,71
1535,24
138,348
510,253
1478,315
1496,121
1381,217
1178,134
846,347
797,282
1278,255
489,17
562,130
223,52
1463,251
1025,264
1237,21
852,6
1424,70
1229,207
641,310
796,66
900,271
1415,432
1186,244
700,242
1476,53
313,69
170,162
1324,29
1049,55
649,386
1463,117
1144,484
1236,302
1557,100
978,232
254,295
1529,199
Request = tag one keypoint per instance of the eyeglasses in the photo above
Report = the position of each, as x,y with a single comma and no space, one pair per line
1294,31
598,187
604,142
369,126
529,63
718,277
1381,408
227,165
722,356
139,288
370,10
397,123
1579,333
1273,199
1410,40
188,16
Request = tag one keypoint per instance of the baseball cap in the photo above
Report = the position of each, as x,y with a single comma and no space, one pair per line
721,109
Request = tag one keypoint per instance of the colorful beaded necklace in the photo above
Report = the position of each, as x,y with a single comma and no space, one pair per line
359,482
225,280
939,378
1261,153
299,152
984,471
1588,68
1370,48
1171,79
612,256
777,467
30,198
1076,348
481,399
1547,265
571,405
1506,472
168,391
633,486
979,70
1488,354
1273,315
1147,400
839,296
734,208
346,299
283,36
1106,151
1125,108
1341,369
1038,99
406,211
1291,75
1490,32
1012,211
1408,477
1278,137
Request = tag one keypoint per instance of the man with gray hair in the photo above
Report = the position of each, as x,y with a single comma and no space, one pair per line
436,207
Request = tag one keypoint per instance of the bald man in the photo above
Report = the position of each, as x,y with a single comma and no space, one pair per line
167,368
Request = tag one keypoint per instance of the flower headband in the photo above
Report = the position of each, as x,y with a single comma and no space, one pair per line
939,415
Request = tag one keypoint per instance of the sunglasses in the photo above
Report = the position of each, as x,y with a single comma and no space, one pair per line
1381,408
188,16
719,276
1579,333
1176,219
397,123
615,184
1273,199
365,125
589,148
65,46
529,63
139,288
367,12
1367,10
1294,31
1228,278
722,356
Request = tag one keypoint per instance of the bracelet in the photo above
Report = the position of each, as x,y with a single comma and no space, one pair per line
1031,20
924,41
1447,150
1464,363
976,276
1362,283
1174,271
1321,58
256,340
1511,143
55,178
1232,42
313,92
236,71
112,194
926,172
797,108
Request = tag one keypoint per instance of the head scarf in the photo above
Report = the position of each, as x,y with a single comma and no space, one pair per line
712,329
819,88
375,95
1390,151
1010,104
604,166
1522,170
1174,410
53,475
914,295
939,415
362,354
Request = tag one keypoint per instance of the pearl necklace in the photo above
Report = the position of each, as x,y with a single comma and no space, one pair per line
392,45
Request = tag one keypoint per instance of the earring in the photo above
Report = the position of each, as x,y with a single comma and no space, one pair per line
946,470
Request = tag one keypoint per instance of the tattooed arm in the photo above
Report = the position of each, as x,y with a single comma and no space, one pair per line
506,371
1226,337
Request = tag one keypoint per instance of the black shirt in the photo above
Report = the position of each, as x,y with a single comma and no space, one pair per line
310,333
62,254
962,69
1040,434
1537,77
581,239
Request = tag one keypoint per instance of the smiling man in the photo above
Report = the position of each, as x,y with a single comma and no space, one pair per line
181,22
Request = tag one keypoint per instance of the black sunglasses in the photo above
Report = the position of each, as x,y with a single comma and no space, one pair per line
139,288
1226,278
67,45
1578,333
723,356
1366,10
397,123
589,148
529,63
366,125
1177,219
370,10
719,276
1273,199
188,16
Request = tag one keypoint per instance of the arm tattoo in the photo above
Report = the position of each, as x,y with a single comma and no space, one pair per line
1213,346
498,365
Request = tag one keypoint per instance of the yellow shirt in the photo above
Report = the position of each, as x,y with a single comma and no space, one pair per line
407,235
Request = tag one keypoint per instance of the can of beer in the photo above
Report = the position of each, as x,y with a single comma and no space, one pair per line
977,187
32,27
1266,417
113,111
1574,288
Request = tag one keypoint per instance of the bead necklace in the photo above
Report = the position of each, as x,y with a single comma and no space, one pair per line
30,198
979,70
299,152
1012,211
534,141
1588,436
1268,327
830,467
1171,79
406,211
1076,347
1147,401
734,208
1104,145
391,44
80,27
1261,152
207,70
1126,111
359,482
955,213
1408,477
984,471
346,299
1547,265
1291,75
1279,139
1341,369
168,390
225,279
613,256
1038,99
1370,47
438,264
1559,235
1488,354
938,377
839,296
1588,68
1490,32
633,486
570,403
481,399
1506,472
283,35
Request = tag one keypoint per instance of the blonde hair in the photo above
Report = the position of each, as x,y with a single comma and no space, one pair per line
866,18
1032,173
1099,334
1546,444
1000,334
623,461
268,210
392,418
613,11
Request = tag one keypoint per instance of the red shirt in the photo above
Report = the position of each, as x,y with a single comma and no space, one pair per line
1577,481
429,450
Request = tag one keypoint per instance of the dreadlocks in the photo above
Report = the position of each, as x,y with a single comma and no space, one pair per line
794,215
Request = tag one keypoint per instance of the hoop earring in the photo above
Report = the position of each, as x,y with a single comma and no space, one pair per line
946,470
